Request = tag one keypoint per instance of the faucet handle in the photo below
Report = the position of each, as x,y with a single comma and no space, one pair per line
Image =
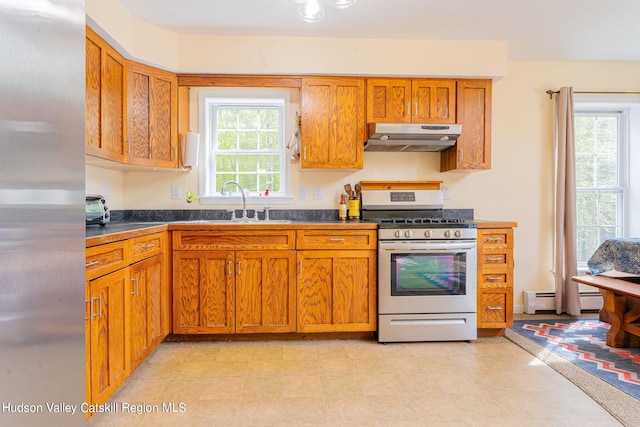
266,212
233,213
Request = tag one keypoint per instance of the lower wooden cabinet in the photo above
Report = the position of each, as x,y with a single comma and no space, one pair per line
234,291
336,291
226,292
495,278
126,309
318,280
265,291
107,364
144,291
336,280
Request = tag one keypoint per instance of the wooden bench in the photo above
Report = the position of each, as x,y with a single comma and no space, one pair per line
621,307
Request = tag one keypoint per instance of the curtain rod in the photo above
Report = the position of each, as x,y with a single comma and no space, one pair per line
552,92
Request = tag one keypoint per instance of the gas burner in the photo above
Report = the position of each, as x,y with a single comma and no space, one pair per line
423,222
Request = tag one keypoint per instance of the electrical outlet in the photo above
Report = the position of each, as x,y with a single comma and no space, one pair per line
317,193
302,193
175,192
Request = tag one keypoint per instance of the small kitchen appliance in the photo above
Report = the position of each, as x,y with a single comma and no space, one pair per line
427,263
96,210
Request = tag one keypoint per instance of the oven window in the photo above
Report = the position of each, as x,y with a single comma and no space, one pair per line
428,274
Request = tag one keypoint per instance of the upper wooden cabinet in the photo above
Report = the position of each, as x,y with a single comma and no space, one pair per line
152,116
332,123
473,148
106,89
411,101
131,108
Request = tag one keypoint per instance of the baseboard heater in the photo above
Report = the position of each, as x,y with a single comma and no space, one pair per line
546,300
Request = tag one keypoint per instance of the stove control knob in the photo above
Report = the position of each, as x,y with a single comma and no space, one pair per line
447,233
407,233
458,233
427,233
397,233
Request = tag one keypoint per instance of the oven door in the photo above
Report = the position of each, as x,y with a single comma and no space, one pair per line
427,277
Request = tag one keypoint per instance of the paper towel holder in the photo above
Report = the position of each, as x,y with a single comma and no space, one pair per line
190,150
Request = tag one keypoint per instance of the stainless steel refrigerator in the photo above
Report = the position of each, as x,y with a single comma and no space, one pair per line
42,230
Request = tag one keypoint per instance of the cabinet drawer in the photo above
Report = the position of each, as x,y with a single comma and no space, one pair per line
233,239
495,279
494,308
489,260
146,246
332,239
495,238
104,259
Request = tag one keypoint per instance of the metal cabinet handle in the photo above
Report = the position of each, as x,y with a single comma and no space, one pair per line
494,278
229,268
336,239
460,154
135,279
494,307
305,153
175,153
100,308
150,245
494,239
239,264
494,258
89,264
300,267
415,112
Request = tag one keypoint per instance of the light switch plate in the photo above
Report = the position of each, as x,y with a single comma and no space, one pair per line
302,193
317,193
175,192
446,193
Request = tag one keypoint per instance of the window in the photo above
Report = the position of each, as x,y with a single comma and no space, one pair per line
601,177
244,137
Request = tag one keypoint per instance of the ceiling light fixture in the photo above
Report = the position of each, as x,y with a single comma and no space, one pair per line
312,10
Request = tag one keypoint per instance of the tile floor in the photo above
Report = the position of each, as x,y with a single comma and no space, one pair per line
488,382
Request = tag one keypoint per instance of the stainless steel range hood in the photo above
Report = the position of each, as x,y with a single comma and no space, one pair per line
411,136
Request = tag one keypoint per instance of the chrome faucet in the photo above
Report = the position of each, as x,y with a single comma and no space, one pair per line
244,200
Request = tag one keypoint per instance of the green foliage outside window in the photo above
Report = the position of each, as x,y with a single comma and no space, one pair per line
599,195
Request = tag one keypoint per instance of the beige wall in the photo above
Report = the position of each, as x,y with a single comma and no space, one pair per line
518,187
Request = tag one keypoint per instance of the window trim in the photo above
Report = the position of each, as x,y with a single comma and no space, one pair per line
603,107
210,196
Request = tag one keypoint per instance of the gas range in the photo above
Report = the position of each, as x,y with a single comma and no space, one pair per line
413,215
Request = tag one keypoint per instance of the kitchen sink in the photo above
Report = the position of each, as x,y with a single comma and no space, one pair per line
233,221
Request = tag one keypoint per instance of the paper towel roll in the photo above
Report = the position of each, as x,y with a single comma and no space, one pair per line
191,148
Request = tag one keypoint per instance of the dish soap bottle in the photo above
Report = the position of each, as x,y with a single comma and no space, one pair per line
342,209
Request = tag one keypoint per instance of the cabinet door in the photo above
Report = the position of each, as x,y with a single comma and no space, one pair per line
333,123
265,291
105,99
434,101
109,361
473,148
336,291
145,296
388,101
152,116
203,292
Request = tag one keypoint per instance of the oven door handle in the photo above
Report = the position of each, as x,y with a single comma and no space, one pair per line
422,246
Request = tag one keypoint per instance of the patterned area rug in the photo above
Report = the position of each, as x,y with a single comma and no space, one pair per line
582,342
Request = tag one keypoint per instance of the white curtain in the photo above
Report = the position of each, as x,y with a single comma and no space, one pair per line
566,259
